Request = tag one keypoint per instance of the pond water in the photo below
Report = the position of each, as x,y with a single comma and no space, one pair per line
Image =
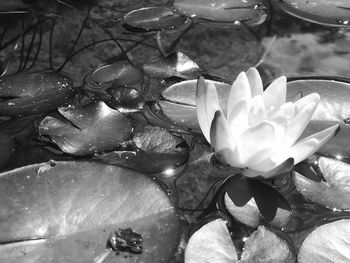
114,82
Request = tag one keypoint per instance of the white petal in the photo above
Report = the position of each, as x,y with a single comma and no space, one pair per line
238,118
256,85
275,94
298,124
207,104
288,110
256,138
240,90
280,123
257,110
220,137
304,101
311,144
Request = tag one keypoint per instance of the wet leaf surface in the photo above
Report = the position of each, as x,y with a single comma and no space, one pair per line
65,211
126,100
211,243
265,246
176,64
88,129
334,191
327,243
34,93
330,13
153,19
154,150
251,12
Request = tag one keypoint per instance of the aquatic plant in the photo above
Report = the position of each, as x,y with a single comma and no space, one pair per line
258,131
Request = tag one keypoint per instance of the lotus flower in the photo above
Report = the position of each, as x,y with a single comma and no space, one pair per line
258,133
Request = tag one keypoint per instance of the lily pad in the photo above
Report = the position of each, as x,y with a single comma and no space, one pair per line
154,150
65,211
330,13
334,192
34,93
211,243
328,243
86,130
126,100
251,12
176,64
153,19
179,103
265,246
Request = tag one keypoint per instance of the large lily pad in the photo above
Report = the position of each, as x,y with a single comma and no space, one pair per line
33,93
328,243
153,19
331,13
88,129
65,211
334,192
250,12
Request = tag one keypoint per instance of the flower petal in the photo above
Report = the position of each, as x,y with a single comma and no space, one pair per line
257,110
207,102
288,110
256,138
238,119
221,141
275,94
304,101
240,90
298,124
308,146
255,82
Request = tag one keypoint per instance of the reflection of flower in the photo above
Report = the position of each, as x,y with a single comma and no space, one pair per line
259,130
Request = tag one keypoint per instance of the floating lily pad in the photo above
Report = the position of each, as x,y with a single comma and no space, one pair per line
251,12
177,64
179,104
211,243
34,93
87,130
65,211
334,192
154,151
330,13
153,19
265,246
126,100
328,243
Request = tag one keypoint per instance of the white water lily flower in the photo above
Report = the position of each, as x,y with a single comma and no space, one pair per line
258,133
